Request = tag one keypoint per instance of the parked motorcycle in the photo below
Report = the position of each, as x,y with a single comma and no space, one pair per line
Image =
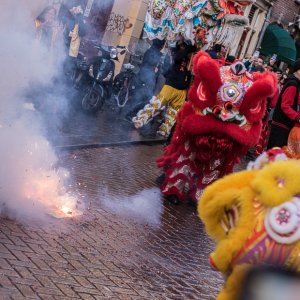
122,85
80,72
126,83
100,78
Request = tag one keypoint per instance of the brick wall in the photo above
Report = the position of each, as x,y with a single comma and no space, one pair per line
284,11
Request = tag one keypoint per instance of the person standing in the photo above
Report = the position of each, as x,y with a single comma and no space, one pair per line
286,113
46,24
75,34
172,95
74,30
216,51
254,63
146,78
149,68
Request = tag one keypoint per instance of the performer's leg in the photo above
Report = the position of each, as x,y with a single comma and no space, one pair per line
176,102
179,175
169,139
170,119
155,106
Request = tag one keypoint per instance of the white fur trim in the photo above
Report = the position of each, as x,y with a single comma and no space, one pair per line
282,222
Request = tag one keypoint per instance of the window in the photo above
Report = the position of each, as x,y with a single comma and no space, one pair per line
252,13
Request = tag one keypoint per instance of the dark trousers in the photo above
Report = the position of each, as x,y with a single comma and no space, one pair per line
140,97
169,139
278,137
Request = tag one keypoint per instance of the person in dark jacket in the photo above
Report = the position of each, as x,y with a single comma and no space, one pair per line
253,63
230,59
70,16
149,68
74,30
286,113
146,78
215,51
172,95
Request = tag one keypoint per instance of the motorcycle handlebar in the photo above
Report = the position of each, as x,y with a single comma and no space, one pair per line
100,47
127,50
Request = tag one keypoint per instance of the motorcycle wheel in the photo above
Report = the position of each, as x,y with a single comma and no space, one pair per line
92,102
123,97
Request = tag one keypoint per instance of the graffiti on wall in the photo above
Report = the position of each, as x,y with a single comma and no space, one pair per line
117,23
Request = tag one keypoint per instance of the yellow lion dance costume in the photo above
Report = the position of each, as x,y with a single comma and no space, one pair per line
254,217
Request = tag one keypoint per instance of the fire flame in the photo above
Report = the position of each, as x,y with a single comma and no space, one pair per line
48,190
67,210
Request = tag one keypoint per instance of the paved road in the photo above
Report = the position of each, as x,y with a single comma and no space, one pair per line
105,255
69,126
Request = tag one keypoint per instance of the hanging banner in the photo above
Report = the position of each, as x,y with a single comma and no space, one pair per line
166,19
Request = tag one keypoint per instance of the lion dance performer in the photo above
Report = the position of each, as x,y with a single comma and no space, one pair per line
173,94
254,217
219,123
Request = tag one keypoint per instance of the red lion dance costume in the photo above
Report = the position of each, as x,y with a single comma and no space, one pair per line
219,123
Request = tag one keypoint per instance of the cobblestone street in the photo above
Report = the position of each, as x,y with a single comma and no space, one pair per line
102,255
92,92
106,127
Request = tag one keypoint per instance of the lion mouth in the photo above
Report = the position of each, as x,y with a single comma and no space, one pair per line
230,219
224,115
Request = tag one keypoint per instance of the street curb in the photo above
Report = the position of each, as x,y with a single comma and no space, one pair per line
111,144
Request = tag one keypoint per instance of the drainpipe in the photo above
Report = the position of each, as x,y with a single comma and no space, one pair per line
266,24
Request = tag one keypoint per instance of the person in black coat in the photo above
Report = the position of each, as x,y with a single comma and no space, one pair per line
286,114
146,78
69,20
69,17
173,94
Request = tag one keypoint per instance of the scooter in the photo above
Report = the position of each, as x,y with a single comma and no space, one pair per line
126,82
79,74
123,85
100,78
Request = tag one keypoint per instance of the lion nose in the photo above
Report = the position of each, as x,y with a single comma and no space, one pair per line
217,110
228,105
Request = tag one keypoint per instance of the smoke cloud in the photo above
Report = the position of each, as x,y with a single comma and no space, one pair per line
31,181
144,207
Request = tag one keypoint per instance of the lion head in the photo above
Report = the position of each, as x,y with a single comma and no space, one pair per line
228,101
254,217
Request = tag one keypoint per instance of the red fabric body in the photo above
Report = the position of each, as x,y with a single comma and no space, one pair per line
203,147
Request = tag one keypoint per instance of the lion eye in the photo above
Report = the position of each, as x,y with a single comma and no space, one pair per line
230,92
256,109
201,93
230,218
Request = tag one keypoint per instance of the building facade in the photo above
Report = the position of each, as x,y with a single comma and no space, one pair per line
257,14
120,22
284,12
125,24
262,13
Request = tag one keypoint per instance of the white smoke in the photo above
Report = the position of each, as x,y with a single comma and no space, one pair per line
144,207
30,181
